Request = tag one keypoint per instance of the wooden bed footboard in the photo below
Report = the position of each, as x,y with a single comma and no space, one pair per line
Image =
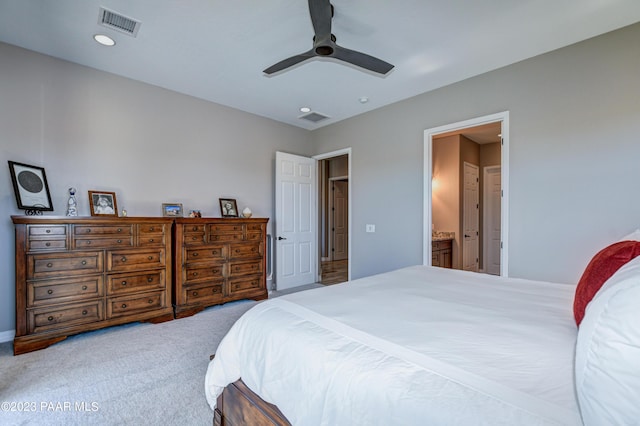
238,405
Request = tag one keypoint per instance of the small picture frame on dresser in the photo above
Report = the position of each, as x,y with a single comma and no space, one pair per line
228,207
171,209
103,203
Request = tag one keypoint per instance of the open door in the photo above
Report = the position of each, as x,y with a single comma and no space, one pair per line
295,224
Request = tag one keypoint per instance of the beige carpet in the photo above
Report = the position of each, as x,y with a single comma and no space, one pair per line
136,374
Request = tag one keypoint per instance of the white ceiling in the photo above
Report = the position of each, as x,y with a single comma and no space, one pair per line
216,50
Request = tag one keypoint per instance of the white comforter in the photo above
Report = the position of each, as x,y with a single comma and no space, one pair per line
420,345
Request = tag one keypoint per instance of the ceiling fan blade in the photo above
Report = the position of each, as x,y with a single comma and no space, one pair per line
320,11
289,62
361,60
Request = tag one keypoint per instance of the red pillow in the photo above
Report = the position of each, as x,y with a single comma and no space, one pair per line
602,266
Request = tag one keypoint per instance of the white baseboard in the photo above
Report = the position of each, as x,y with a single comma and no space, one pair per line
7,336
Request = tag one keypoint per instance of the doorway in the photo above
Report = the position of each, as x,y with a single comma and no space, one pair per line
333,175
444,184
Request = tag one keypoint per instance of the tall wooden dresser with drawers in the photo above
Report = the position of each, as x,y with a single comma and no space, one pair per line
217,261
75,274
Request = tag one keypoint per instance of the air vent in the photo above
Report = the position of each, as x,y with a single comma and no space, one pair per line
118,22
313,117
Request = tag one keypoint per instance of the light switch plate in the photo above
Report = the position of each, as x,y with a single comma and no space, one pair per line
370,228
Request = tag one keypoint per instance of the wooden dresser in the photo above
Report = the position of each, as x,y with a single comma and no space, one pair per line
75,274
218,261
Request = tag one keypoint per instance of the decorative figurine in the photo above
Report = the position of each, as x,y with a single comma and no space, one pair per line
124,213
72,204
247,212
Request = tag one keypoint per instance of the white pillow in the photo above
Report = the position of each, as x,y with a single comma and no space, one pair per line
607,364
634,236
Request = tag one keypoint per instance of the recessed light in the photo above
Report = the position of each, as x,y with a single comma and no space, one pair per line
363,99
305,109
104,40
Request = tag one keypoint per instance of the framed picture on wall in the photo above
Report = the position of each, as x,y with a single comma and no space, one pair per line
228,207
30,187
103,203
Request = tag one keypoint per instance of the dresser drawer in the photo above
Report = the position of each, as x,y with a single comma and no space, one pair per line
226,228
152,228
239,251
114,230
103,242
214,252
245,284
255,227
222,238
127,305
186,228
254,236
128,260
44,319
135,282
193,238
63,264
244,268
151,240
205,293
40,293
192,274
51,244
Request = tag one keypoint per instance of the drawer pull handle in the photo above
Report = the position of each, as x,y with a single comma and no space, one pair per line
89,231
194,238
84,312
124,305
48,231
84,262
119,229
150,240
150,279
237,250
49,265
124,283
50,318
195,228
152,229
89,242
50,292
48,244
150,258
195,293
123,259
150,301
84,287
195,254
195,274
253,249
119,241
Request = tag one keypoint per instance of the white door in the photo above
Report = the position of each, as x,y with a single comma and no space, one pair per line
340,231
295,225
492,219
470,218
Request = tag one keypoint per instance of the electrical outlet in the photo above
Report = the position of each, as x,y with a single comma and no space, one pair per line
370,228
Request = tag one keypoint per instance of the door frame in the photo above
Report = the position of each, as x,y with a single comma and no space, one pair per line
326,156
330,210
429,134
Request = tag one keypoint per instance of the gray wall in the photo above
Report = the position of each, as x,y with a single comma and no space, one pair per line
94,130
574,150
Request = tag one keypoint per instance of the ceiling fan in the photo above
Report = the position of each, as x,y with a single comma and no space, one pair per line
324,44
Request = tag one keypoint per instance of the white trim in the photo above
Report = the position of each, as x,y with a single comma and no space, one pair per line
7,336
338,153
502,117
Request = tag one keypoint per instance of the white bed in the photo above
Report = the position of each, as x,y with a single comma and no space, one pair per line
419,345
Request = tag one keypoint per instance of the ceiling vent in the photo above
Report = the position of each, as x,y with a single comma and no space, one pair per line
115,21
314,117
